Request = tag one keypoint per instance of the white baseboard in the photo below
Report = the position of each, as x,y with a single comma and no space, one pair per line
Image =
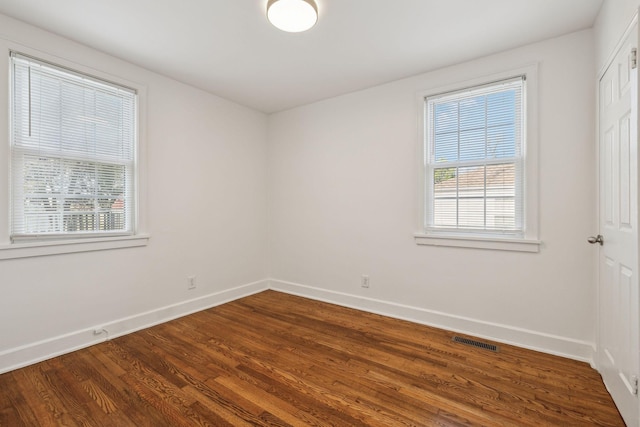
560,346
29,354
36,352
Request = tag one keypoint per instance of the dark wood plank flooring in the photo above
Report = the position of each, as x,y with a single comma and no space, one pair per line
273,359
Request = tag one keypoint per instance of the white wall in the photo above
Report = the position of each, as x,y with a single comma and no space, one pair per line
610,25
206,164
343,201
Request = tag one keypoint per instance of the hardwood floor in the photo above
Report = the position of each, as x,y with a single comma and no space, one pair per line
274,360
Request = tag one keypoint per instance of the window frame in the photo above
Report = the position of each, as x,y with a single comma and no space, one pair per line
525,241
61,244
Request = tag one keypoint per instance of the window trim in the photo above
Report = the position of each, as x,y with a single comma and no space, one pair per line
526,241
56,247
30,247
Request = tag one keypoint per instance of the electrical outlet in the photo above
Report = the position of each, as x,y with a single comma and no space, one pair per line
97,332
364,281
191,282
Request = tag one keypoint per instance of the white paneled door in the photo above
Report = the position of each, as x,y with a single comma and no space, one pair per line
618,298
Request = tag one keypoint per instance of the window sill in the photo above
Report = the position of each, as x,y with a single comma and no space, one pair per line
498,244
44,248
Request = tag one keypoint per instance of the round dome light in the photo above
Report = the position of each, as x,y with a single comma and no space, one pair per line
292,16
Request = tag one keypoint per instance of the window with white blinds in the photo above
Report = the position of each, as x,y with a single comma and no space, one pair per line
73,152
474,140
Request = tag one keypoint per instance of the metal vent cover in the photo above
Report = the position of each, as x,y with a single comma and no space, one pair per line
474,343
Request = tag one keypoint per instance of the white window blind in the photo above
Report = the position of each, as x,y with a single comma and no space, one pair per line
73,142
474,159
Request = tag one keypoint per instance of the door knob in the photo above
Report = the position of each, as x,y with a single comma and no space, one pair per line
596,239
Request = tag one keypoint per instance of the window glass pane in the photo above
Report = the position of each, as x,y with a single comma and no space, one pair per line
446,118
445,197
471,197
501,197
472,113
501,108
501,142
446,147
471,213
472,144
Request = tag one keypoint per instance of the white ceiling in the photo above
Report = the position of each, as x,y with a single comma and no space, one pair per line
227,47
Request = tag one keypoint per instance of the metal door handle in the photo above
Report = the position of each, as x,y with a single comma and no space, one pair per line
596,239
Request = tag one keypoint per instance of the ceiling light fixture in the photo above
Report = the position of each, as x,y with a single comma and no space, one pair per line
292,16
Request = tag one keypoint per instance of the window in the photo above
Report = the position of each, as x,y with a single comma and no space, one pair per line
73,153
477,162
474,165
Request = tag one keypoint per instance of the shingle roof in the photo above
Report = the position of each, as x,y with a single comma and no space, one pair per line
498,176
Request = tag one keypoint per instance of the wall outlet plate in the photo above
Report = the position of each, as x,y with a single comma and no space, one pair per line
364,281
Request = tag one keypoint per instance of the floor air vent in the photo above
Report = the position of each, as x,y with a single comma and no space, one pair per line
474,343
